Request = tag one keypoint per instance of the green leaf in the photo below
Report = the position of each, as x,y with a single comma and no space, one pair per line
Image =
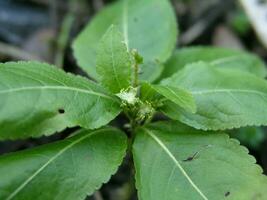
191,164
113,62
147,25
225,98
68,169
157,94
37,99
151,71
147,93
219,57
179,96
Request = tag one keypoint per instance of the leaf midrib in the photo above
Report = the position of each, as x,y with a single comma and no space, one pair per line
225,59
203,92
176,162
29,179
113,62
177,96
55,88
125,23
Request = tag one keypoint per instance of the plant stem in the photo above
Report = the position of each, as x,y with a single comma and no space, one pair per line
64,34
136,72
98,196
16,52
129,187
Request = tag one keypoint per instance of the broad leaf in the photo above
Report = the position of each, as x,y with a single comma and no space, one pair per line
178,96
37,99
68,169
159,94
152,72
191,164
147,93
113,62
225,98
219,57
147,25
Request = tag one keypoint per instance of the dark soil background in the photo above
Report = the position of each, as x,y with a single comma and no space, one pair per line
45,29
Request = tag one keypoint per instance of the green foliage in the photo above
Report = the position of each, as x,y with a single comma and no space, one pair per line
219,57
113,62
191,164
152,71
68,169
239,22
179,96
204,87
224,97
38,99
147,25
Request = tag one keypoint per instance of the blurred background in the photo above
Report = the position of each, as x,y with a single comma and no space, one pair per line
44,30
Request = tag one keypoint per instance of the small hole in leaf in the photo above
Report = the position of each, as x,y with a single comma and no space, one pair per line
61,111
227,194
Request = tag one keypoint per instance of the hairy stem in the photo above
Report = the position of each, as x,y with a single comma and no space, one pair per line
65,33
136,70
137,59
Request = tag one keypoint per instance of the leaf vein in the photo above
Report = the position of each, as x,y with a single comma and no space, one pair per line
203,92
29,179
53,87
167,151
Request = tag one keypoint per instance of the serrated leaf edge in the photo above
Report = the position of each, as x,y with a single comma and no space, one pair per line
232,141
29,179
